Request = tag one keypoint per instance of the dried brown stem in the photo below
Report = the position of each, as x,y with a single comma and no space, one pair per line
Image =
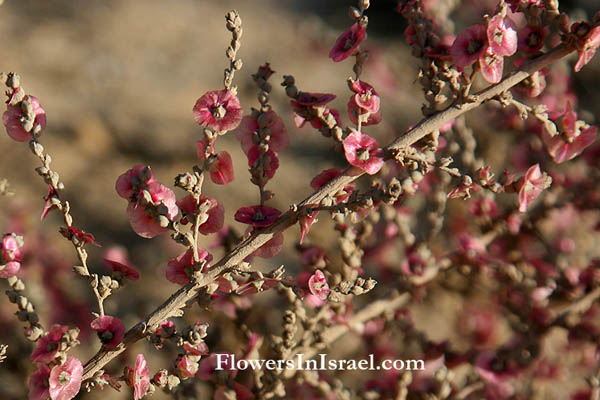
187,293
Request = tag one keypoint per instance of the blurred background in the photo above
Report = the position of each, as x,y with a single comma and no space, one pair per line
118,80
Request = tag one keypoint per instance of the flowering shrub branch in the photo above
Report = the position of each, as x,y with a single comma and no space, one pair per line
437,157
186,294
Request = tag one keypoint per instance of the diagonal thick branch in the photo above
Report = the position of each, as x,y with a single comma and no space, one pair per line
188,293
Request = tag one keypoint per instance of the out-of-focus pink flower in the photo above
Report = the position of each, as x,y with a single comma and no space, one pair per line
181,268
10,260
327,176
366,97
216,213
47,346
219,110
502,38
588,41
478,324
531,38
221,171
271,247
116,259
497,383
313,256
200,349
363,152
259,216
267,120
491,65
318,285
313,99
65,380
535,84
209,364
139,377
38,383
187,366
348,42
271,161
531,186
140,217
484,207
574,137
110,330
469,45
12,119
130,182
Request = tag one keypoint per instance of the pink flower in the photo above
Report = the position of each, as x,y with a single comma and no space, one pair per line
130,182
141,217
139,377
82,236
306,222
12,119
318,285
497,382
573,138
271,247
588,40
502,38
65,380
221,171
186,366
48,204
354,110
110,330
366,97
259,216
348,42
10,259
267,120
9,269
531,38
215,212
363,152
531,186
181,268
317,124
219,110
116,259
491,66
200,349
38,383
271,162
47,346
469,45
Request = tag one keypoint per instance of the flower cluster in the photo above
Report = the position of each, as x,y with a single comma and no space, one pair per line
487,45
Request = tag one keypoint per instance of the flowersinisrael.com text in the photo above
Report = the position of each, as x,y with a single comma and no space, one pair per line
319,363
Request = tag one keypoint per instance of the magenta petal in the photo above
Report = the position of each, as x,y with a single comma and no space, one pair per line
142,223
